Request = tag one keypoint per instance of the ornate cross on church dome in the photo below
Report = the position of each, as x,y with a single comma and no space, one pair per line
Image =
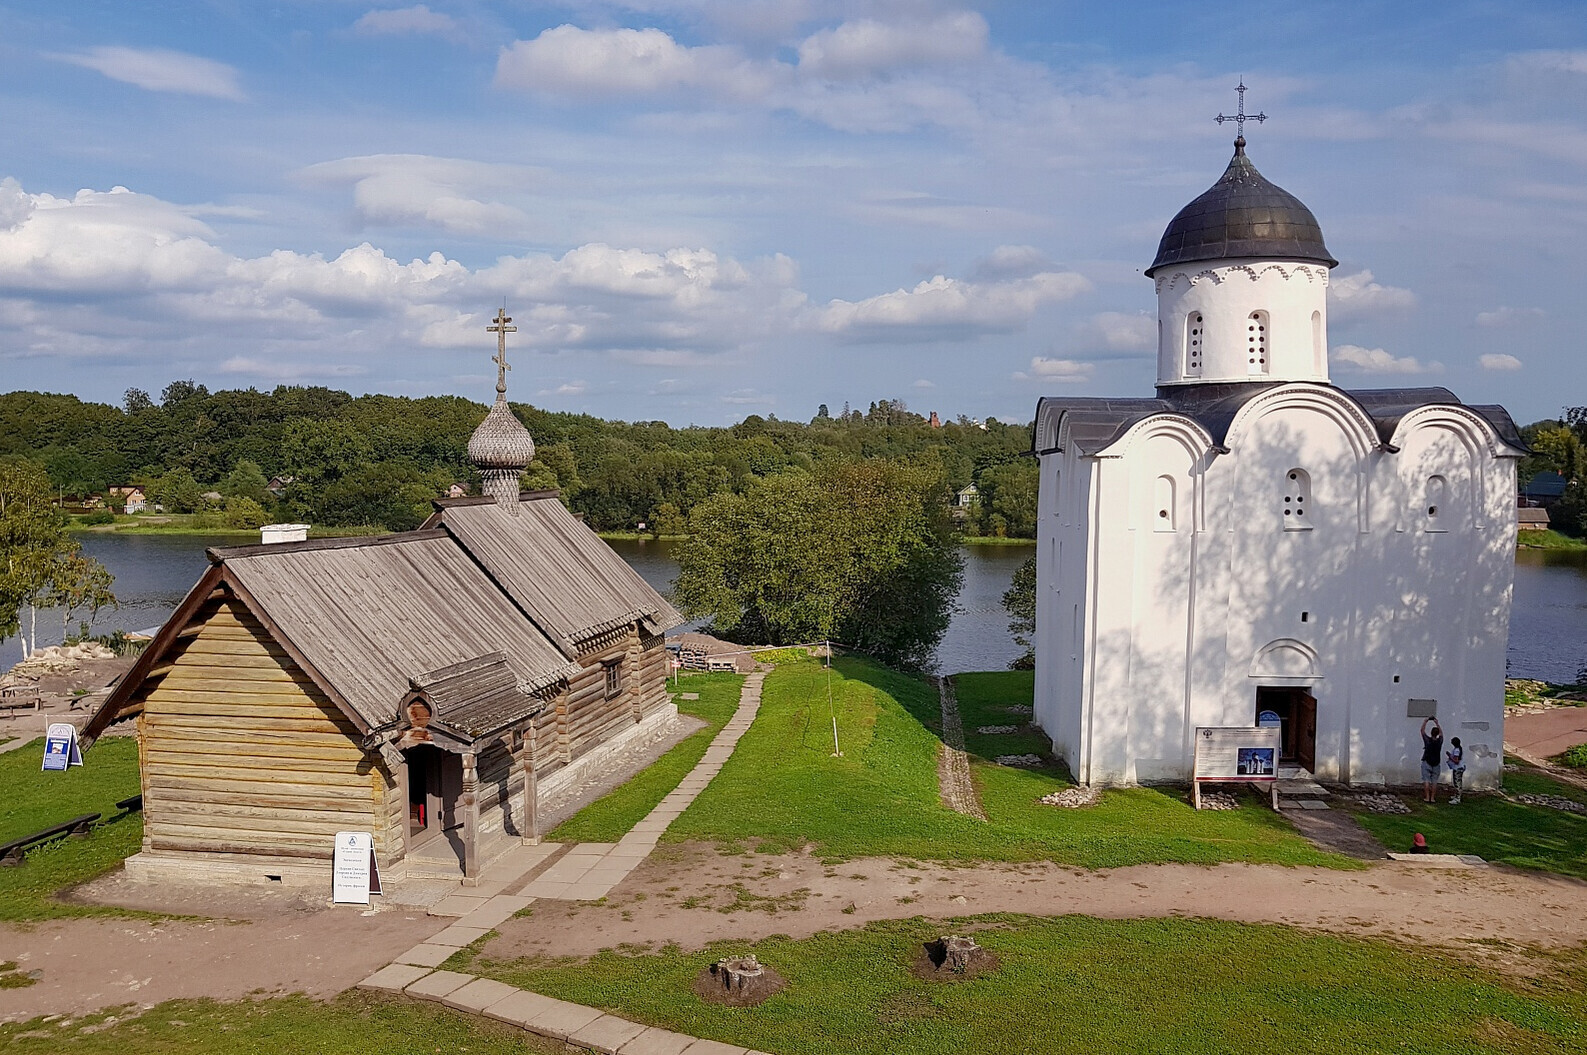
501,448
499,326
1241,117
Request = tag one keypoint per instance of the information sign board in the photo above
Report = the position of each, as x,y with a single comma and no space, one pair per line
1241,754
61,748
354,874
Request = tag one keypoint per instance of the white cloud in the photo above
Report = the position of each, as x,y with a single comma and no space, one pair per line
865,47
280,371
950,308
1504,316
160,70
1378,361
1010,261
599,63
568,388
419,190
418,19
1121,332
1061,371
924,383
748,397
1357,296
1498,361
1553,61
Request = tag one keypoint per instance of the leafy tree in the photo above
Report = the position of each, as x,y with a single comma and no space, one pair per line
1020,601
136,400
177,492
860,552
247,480
244,513
40,565
669,520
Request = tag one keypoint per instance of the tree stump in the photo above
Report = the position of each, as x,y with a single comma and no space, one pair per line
739,974
956,952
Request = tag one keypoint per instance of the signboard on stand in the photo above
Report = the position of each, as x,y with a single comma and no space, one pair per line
61,748
1239,755
354,873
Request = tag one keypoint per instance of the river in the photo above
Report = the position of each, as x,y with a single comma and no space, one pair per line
1548,621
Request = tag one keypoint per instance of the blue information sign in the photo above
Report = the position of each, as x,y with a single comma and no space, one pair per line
60,747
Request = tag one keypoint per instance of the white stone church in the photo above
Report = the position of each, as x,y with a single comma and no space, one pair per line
1255,539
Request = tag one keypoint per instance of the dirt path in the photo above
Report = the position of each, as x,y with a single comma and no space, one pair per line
1547,733
953,767
271,943
691,896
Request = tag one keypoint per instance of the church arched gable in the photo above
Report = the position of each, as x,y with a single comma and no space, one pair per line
1165,488
1330,403
1438,493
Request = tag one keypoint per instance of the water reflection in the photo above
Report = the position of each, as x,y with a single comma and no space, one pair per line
1548,623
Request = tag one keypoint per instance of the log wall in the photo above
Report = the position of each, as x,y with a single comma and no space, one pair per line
242,753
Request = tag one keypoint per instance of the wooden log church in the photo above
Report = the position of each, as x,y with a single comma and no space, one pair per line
433,687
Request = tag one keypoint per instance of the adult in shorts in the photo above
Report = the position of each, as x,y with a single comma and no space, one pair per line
1432,758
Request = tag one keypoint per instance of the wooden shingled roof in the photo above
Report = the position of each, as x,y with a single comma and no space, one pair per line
573,585
369,617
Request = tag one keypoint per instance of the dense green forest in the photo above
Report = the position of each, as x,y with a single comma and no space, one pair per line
380,460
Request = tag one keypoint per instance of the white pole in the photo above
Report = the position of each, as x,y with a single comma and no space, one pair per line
836,751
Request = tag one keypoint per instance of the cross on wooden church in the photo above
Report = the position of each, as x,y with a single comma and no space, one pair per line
1241,117
501,329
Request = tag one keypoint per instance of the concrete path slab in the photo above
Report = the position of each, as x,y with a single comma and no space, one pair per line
474,997
519,1009
427,955
657,1041
607,1033
458,935
438,984
561,1019
394,978
714,1047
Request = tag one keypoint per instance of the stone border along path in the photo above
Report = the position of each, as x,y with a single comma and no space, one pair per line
587,872
953,766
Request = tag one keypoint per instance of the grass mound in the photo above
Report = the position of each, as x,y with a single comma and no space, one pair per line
1075,983
783,788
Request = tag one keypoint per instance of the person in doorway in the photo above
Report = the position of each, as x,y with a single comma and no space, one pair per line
1456,757
1432,758
1418,843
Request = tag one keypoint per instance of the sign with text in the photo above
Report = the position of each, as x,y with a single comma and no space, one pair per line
354,874
61,748
1237,754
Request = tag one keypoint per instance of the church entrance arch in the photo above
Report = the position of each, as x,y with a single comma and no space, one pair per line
1294,708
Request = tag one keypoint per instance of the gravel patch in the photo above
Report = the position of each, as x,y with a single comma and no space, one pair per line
1553,802
997,730
1072,798
1375,803
1024,761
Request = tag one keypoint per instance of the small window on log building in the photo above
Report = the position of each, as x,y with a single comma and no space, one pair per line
614,678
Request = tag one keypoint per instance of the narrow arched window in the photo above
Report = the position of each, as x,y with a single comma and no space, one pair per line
1193,339
1434,496
1163,511
1256,334
1319,355
1298,510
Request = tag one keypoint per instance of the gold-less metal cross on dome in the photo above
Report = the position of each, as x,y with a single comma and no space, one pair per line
1241,117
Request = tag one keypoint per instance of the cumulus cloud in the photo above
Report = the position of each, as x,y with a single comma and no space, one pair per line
1505,316
419,190
922,382
168,284
160,70
1358,296
415,20
567,60
1059,371
1498,361
950,308
1124,332
865,46
1378,361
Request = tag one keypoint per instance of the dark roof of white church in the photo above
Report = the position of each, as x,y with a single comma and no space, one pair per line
1243,215
1214,406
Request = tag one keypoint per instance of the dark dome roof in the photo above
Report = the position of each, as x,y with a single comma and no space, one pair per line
1242,215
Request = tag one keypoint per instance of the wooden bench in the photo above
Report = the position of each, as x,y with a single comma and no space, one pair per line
15,698
11,853
131,804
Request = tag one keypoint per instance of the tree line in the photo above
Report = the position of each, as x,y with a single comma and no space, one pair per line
380,460
1559,445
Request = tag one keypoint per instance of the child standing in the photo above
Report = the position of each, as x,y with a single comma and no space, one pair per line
1456,757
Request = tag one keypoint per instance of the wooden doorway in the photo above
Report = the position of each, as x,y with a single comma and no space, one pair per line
426,810
1296,709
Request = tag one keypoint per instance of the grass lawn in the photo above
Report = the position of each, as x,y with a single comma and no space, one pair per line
352,1024
782,789
35,800
1080,984
609,818
1495,829
1548,540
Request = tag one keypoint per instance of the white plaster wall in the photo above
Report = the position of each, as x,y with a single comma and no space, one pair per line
1171,621
1225,295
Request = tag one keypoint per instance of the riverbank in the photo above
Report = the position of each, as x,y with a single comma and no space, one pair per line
200,524
1548,540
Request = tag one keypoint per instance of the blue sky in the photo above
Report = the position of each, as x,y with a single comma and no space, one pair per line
701,209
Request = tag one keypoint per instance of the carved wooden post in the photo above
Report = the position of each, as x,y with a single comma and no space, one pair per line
531,787
470,820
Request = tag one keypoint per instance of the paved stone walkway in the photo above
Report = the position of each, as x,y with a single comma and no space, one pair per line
953,766
587,872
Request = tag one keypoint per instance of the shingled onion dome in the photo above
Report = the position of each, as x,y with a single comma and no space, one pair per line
501,449
1242,216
